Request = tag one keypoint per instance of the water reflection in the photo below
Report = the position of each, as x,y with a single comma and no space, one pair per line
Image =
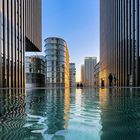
12,111
48,110
69,114
84,115
120,114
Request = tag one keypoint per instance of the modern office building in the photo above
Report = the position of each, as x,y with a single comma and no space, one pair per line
33,25
96,75
57,62
90,62
120,41
20,31
35,71
72,71
83,74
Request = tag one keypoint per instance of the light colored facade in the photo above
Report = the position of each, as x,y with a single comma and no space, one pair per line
35,71
16,18
90,62
72,75
57,62
83,74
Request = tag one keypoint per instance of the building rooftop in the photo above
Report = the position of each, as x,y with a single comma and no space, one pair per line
90,57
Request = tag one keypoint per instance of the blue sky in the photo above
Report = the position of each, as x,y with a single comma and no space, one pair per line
77,22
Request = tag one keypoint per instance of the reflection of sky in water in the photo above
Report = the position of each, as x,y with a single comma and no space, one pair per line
86,114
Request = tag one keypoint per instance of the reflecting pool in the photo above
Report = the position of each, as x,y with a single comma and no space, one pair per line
70,114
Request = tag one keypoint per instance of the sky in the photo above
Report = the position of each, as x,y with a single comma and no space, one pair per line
77,22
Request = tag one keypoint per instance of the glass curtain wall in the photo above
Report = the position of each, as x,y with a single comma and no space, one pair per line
57,62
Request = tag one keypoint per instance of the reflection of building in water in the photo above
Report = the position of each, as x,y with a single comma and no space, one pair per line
12,111
73,90
12,103
89,95
51,104
119,113
67,106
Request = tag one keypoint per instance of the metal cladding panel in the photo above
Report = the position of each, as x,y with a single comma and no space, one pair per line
16,18
12,43
33,25
119,41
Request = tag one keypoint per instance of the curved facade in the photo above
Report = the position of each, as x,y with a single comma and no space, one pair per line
57,62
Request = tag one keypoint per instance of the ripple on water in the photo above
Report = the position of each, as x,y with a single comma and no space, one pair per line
86,115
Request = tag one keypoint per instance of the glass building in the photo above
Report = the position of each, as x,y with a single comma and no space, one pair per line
90,62
83,74
20,31
57,62
96,74
35,71
120,41
72,71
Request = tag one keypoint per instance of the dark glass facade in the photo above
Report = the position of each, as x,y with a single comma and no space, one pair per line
120,41
16,18
57,62
35,71
96,74
72,73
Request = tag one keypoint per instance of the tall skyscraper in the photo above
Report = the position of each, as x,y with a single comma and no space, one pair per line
96,74
57,62
72,71
20,30
83,74
90,62
120,41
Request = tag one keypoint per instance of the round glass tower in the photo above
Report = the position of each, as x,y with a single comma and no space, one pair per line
57,62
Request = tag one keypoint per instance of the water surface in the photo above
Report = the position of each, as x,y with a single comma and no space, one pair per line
70,114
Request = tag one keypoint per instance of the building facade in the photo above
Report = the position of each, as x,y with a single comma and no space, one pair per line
90,62
33,25
83,74
120,41
35,71
96,75
72,71
57,62
16,18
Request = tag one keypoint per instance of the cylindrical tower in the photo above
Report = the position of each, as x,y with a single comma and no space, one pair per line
57,58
